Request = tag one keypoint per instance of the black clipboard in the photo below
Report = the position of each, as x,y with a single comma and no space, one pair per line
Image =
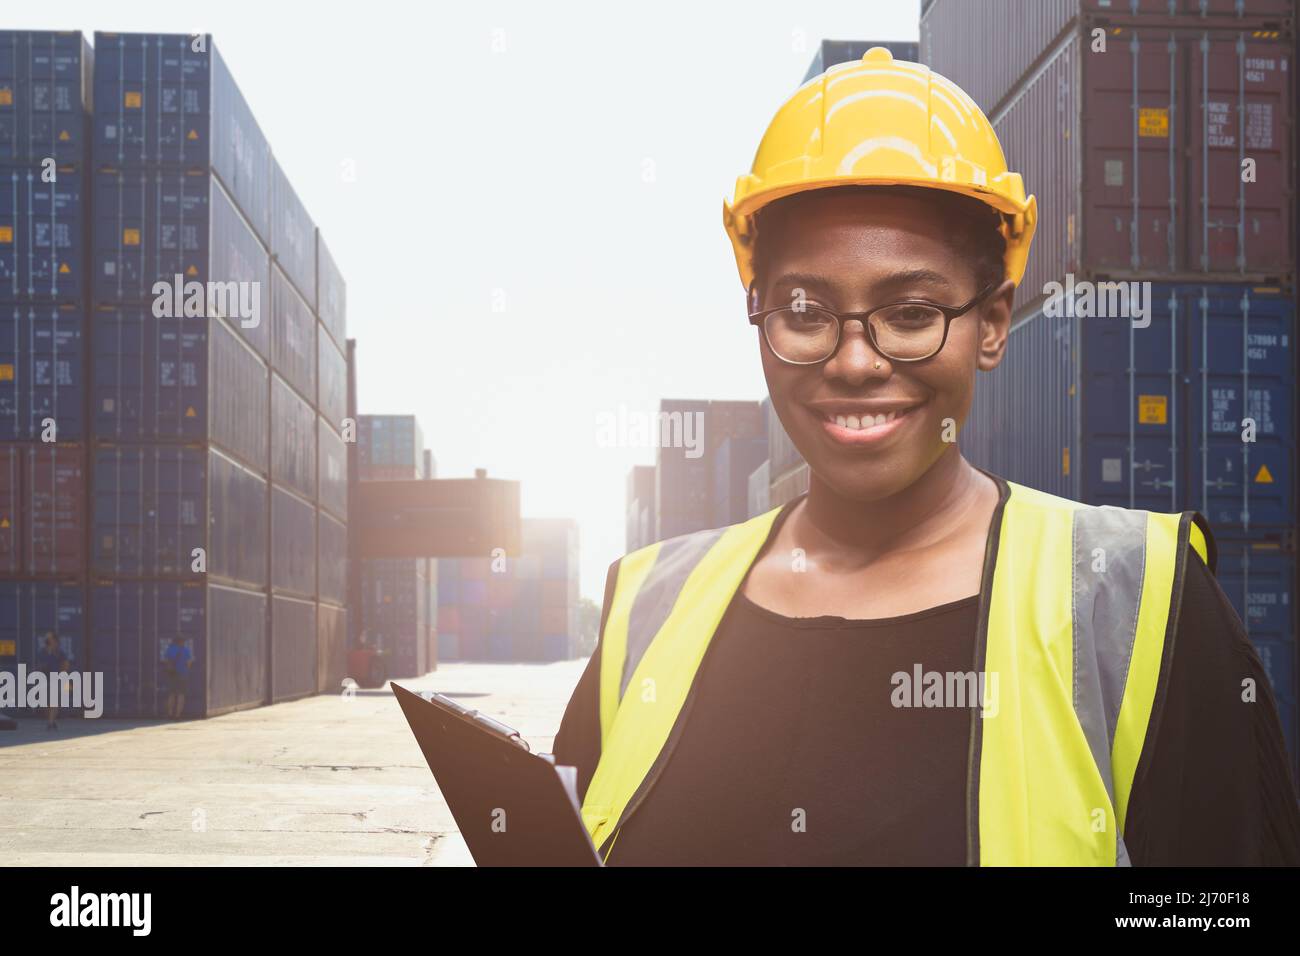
513,807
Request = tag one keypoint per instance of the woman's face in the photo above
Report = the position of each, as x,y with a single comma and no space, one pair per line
852,253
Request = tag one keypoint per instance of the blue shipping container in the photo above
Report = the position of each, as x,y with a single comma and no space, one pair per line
293,439
132,625
42,360
153,505
177,380
169,100
331,294
293,543
331,558
293,336
293,235
45,88
333,470
173,240
31,609
332,397
237,650
734,462
42,233
1096,410
293,648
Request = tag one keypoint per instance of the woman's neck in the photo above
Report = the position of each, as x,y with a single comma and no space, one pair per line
934,507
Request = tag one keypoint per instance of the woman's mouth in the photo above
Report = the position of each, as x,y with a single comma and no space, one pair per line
864,428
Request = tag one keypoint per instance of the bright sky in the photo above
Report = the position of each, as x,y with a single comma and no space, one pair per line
533,238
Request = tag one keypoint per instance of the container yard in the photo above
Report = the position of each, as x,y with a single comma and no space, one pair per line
389,476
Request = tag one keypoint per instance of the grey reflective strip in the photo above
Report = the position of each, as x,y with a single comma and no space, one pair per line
676,560
1109,562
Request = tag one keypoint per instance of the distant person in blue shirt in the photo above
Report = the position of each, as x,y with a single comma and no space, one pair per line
176,666
50,659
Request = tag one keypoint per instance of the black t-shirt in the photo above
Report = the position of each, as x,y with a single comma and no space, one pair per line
790,755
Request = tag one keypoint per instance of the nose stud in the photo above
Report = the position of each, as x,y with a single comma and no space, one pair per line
877,365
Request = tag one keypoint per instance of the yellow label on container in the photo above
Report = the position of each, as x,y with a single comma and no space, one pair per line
1153,409
1065,460
1153,122
1263,476
132,100
8,648
130,237
64,270
6,373
6,96
6,234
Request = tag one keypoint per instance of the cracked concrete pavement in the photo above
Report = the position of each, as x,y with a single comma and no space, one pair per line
321,781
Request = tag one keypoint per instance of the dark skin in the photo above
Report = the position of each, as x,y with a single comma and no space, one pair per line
900,525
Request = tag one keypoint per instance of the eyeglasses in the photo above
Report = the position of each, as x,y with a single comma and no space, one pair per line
912,330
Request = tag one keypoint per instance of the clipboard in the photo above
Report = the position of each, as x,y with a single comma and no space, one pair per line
513,807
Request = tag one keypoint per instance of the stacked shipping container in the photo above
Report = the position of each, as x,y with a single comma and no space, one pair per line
690,439
1160,143
45,98
193,387
513,609
396,608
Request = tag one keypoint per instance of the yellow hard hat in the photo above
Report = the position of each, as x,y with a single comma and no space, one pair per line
881,122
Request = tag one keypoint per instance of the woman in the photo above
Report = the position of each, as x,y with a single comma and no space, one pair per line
916,662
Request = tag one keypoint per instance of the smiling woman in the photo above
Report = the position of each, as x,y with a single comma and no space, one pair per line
740,705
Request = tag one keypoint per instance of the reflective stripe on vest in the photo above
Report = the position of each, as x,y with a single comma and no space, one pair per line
1074,608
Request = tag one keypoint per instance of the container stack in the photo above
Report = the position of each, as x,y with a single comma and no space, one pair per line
180,377
640,506
334,406
513,608
691,435
787,471
396,612
1151,362
45,98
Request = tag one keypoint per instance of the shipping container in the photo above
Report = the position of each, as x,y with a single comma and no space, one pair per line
760,490
42,509
293,336
45,96
331,648
294,641
1143,175
224,628
970,44
188,380
169,100
42,233
448,646
395,612
154,505
332,470
293,235
331,558
293,439
293,543
31,609
787,487
172,240
683,479
1152,417
831,52
782,454
42,367
332,386
391,443
331,294
735,462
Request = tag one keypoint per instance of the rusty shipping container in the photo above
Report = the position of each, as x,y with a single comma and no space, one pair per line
1166,155
968,40
42,509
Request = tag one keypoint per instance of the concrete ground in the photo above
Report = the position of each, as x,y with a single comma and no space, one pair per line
325,780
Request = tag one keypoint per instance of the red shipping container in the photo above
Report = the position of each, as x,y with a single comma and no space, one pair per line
555,619
42,509
500,590
972,44
449,618
1136,154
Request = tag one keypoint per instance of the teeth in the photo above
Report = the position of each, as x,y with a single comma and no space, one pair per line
861,423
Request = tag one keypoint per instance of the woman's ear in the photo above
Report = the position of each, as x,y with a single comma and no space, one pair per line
995,324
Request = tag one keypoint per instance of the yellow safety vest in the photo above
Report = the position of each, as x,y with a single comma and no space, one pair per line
1077,606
